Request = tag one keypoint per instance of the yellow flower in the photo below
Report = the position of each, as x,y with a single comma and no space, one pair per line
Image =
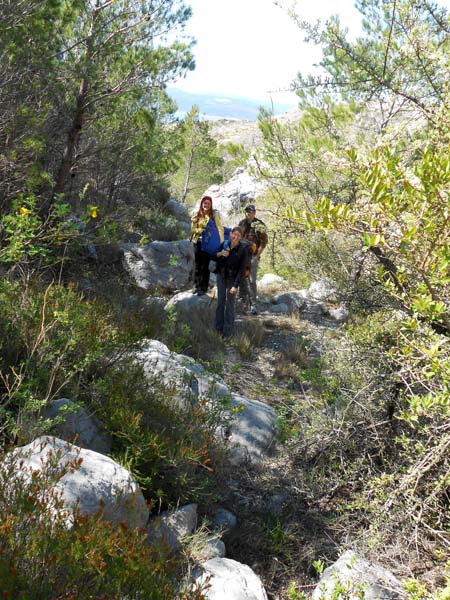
24,211
93,212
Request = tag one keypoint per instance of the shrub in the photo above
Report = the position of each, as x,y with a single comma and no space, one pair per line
50,338
41,558
171,450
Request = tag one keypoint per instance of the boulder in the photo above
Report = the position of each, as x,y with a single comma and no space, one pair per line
360,579
323,290
171,527
294,300
252,431
186,302
270,281
339,314
228,579
189,379
99,482
185,228
178,210
212,548
280,309
167,265
73,423
223,520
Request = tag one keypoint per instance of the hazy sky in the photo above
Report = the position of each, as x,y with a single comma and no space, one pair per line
251,48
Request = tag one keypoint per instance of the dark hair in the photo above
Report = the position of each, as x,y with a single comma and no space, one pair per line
236,229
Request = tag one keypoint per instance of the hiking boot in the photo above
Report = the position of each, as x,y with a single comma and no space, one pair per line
253,310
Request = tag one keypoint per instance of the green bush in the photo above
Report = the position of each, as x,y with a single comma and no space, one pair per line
42,559
50,338
171,450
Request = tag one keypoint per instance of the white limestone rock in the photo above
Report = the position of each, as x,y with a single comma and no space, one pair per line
360,578
99,482
229,580
166,265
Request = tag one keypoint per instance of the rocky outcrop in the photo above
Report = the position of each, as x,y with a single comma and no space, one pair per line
166,265
357,578
231,197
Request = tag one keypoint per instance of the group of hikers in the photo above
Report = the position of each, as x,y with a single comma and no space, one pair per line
233,255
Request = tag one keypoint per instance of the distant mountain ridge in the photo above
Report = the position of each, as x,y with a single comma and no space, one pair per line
214,106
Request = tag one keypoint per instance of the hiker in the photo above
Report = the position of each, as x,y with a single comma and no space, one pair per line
231,264
254,232
199,223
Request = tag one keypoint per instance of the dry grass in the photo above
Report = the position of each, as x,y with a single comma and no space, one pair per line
249,336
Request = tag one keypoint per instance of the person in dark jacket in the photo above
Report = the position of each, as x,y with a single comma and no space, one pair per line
254,231
231,264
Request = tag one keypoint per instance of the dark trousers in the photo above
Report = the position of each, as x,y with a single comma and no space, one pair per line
247,289
225,306
201,272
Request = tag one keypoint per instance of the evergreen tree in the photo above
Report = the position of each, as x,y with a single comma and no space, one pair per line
200,161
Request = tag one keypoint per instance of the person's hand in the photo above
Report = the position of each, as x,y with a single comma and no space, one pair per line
224,253
233,291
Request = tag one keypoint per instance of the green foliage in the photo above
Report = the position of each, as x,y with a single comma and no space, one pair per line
417,591
400,60
200,163
41,558
167,444
31,241
50,339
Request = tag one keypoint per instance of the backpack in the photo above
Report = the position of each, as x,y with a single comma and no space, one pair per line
210,240
251,250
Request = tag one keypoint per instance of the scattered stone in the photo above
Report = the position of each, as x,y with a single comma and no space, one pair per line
171,527
223,520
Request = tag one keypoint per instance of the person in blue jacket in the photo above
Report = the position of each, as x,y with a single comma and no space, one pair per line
232,259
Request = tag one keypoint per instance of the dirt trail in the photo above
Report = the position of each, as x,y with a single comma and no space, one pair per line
281,529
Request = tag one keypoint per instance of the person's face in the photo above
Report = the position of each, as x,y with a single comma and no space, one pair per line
206,204
251,214
235,237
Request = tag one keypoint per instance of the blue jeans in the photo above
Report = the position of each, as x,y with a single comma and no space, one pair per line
225,306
